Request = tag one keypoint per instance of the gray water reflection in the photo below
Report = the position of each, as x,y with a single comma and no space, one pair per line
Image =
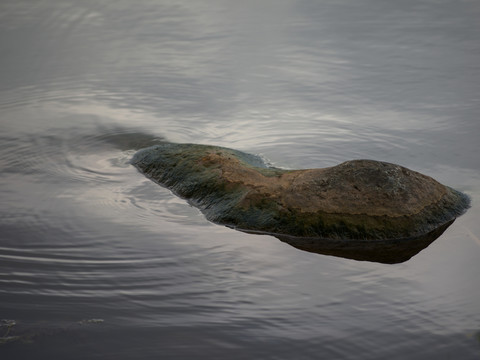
302,83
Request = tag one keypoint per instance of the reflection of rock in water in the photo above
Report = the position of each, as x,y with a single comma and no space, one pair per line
390,251
356,205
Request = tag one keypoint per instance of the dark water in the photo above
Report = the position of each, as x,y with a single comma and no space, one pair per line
98,262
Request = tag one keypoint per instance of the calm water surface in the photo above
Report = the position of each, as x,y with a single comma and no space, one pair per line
98,262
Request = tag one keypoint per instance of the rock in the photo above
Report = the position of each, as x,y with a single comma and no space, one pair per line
358,200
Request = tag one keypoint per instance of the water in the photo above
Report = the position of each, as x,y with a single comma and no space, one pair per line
98,262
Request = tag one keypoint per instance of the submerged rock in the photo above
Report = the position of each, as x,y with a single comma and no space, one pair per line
29,332
358,200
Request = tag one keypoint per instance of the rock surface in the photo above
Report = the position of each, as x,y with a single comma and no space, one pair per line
358,200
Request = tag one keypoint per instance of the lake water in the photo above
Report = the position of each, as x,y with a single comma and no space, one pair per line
98,262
